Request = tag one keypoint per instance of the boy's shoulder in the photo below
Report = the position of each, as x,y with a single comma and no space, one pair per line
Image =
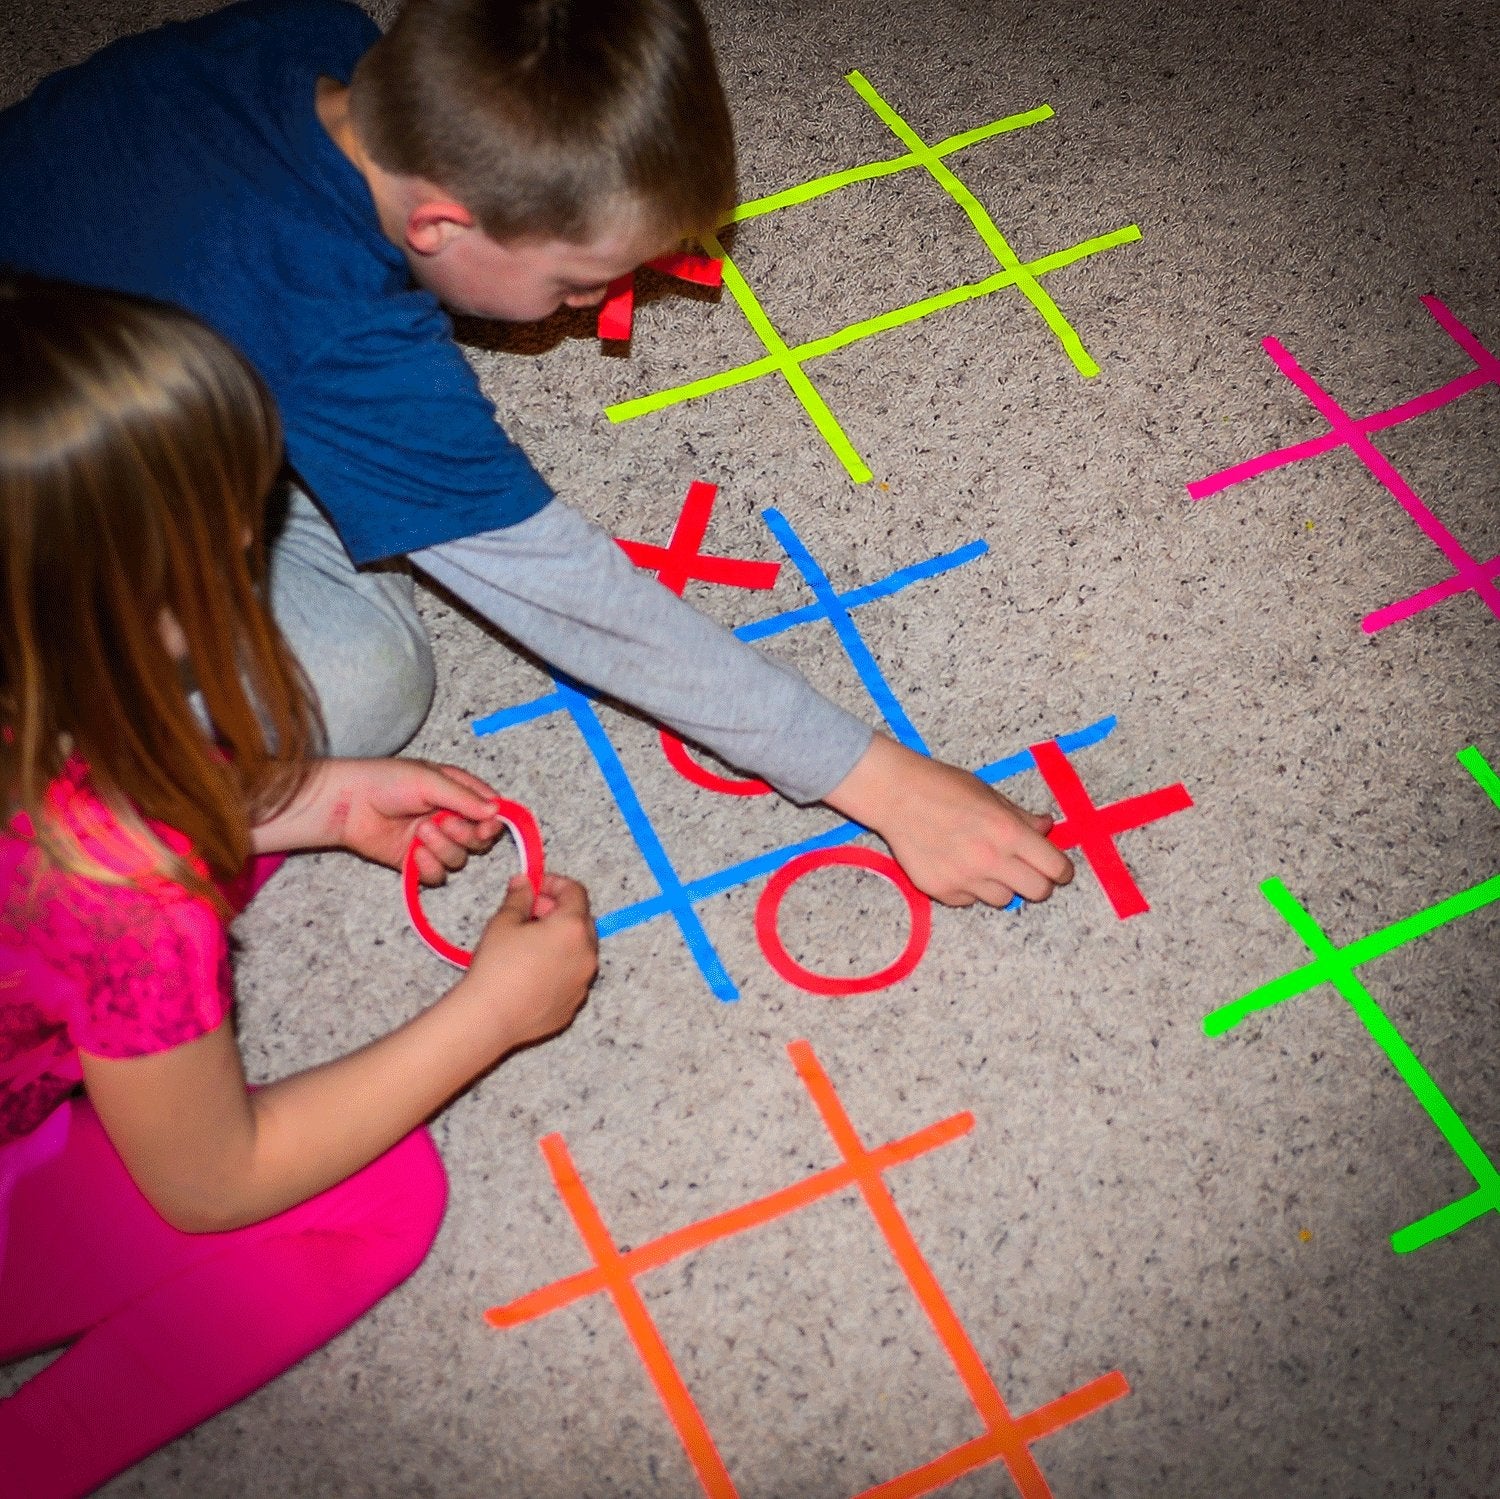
305,20
335,29
311,20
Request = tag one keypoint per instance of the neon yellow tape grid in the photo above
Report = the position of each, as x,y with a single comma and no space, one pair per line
788,362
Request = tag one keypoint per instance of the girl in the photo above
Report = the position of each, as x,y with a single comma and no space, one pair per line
190,1237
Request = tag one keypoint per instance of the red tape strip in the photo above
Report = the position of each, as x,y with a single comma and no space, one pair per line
528,841
769,907
618,309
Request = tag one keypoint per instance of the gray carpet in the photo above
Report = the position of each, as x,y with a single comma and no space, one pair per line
1209,1217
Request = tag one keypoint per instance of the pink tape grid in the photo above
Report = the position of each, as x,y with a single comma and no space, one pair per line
1469,575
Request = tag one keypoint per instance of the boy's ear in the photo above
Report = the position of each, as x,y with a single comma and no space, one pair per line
433,225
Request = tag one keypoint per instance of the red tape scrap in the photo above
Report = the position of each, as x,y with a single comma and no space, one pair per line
528,841
617,312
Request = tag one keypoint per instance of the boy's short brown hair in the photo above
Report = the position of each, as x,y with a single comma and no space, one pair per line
540,115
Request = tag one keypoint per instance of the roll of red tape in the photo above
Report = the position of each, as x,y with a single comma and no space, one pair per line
528,841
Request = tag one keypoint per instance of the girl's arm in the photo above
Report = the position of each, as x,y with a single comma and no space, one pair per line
210,1155
376,808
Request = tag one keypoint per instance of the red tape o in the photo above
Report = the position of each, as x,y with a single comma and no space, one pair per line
528,841
769,907
689,769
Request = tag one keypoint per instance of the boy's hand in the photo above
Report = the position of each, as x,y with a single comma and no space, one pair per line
377,807
958,840
533,971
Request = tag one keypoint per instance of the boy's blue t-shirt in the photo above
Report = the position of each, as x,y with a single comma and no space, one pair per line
188,164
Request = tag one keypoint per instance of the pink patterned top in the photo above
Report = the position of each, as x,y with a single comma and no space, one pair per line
113,970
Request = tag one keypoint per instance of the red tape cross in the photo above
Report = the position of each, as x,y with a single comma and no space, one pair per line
677,562
1093,829
682,557
1006,1438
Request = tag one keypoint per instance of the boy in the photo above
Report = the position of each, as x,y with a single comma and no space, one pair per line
317,193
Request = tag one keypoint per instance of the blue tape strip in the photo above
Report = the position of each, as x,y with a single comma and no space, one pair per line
673,897
508,718
849,637
893,583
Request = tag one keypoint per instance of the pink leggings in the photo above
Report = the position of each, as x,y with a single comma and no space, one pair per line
171,1327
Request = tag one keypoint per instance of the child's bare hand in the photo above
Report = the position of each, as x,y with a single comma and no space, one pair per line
534,970
958,840
381,806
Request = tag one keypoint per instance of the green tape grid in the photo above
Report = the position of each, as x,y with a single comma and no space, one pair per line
781,358
788,362
1335,965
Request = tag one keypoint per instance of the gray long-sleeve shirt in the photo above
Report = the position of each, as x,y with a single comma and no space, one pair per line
561,587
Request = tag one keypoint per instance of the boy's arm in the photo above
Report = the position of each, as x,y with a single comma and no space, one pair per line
563,588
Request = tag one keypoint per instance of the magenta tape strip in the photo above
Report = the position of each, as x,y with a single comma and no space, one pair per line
528,841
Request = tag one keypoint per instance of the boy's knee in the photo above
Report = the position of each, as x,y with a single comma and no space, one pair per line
375,693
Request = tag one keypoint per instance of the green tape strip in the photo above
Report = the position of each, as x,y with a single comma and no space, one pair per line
1336,966
833,181
1445,1221
1355,955
1393,1044
1478,767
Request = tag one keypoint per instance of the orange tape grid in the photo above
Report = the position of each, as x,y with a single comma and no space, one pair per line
1006,1438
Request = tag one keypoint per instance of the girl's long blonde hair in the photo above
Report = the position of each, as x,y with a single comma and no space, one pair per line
137,450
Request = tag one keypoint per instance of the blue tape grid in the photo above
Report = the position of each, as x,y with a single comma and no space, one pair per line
677,899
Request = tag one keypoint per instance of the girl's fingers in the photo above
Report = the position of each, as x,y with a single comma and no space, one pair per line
475,799
447,840
442,846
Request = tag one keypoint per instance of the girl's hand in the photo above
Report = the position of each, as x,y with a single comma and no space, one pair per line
533,966
377,807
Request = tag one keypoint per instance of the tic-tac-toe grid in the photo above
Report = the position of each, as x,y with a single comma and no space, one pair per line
790,362
1005,1438
1334,965
1090,828
1469,574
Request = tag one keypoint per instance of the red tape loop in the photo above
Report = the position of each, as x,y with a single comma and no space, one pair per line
528,841
769,908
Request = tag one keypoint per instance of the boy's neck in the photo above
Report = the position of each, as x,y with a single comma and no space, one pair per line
332,106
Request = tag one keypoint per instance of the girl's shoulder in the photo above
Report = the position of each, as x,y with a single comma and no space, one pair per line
133,963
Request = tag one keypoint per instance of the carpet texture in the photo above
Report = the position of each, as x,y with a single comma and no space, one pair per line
1209,1216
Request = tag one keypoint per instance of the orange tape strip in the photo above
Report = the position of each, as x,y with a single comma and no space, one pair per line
708,1231
681,1409
1006,1438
